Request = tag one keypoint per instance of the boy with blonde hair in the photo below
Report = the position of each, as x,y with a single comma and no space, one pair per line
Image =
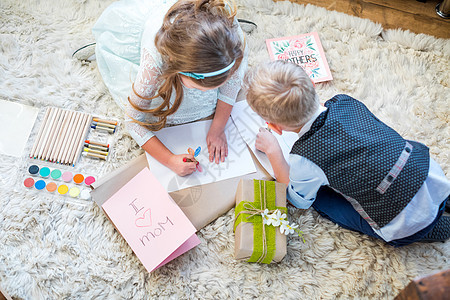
348,165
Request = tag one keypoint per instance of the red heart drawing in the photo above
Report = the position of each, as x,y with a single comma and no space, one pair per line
144,221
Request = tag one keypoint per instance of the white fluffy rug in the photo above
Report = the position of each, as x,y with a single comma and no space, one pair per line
52,249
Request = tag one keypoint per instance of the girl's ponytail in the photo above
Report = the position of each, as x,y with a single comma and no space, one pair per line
218,7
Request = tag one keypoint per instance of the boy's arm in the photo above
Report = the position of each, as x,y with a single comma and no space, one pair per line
303,181
280,166
267,143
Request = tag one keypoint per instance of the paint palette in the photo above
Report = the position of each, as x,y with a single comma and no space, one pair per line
57,181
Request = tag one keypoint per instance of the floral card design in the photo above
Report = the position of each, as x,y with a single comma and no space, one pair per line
305,50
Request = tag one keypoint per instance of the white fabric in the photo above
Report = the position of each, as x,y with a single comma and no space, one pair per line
117,61
306,178
54,247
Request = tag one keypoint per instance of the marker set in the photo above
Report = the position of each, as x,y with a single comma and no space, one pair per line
99,148
105,125
96,149
58,181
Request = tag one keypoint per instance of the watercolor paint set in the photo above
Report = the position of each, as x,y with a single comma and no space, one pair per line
66,152
58,181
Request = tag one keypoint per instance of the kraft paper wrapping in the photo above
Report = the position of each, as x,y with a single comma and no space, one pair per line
201,204
244,231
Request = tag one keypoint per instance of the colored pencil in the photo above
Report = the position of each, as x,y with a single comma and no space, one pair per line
55,135
68,137
50,132
52,136
46,133
61,135
41,129
96,143
71,141
83,136
76,140
80,138
104,121
65,137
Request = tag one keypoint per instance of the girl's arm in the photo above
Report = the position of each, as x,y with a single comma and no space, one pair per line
216,138
146,86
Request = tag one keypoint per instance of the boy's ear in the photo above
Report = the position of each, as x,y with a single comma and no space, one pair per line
276,128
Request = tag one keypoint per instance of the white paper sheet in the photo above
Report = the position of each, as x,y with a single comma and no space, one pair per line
16,121
248,123
179,138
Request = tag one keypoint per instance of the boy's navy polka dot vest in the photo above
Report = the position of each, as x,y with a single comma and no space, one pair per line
366,161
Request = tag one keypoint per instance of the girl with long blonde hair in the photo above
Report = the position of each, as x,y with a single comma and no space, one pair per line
170,62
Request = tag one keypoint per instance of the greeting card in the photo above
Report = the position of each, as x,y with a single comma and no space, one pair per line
305,50
150,221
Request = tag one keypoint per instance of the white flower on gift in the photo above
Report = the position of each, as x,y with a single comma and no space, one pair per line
265,217
277,218
270,220
289,229
284,228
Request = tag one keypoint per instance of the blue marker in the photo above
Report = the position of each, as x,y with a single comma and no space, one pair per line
197,151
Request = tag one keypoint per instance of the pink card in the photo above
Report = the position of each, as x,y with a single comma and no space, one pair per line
186,246
150,221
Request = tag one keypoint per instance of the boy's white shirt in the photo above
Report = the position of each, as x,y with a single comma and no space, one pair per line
305,179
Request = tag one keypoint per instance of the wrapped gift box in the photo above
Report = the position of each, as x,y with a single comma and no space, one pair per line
254,241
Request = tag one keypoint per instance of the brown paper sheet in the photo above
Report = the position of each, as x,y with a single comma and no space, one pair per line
201,204
243,247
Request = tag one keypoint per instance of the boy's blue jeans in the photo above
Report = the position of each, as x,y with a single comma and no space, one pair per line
336,208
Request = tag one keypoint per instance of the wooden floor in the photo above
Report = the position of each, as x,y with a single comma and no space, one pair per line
417,16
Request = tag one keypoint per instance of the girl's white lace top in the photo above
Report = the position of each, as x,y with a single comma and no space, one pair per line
125,31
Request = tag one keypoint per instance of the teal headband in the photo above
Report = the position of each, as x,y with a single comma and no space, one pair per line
210,74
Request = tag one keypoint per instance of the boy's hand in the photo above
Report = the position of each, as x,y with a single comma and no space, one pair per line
266,142
182,168
217,145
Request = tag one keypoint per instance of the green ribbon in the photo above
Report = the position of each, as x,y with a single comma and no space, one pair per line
250,212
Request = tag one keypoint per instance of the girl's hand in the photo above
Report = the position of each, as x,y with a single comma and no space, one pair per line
217,145
182,168
267,143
